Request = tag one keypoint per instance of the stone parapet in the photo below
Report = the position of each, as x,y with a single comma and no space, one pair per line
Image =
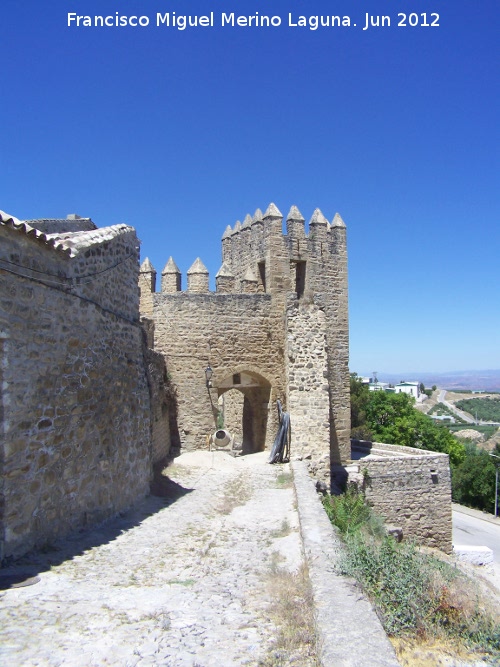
342,612
410,488
197,277
171,277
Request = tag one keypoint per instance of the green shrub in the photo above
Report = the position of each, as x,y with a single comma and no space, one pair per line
415,594
348,511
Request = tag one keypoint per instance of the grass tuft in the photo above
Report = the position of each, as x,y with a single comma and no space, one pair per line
292,611
237,492
284,530
284,480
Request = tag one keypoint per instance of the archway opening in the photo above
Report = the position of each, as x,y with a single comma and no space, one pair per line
243,410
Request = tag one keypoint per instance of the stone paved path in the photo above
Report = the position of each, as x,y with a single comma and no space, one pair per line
180,583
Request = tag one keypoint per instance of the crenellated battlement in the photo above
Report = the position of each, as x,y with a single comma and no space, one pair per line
259,244
257,257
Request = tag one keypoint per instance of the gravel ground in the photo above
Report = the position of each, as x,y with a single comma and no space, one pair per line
182,580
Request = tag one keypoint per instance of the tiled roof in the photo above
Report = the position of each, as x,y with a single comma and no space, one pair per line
22,227
69,243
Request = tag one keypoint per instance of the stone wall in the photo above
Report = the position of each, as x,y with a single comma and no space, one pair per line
163,407
73,223
74,393
230,332
232,403
410,488
308,389
313,266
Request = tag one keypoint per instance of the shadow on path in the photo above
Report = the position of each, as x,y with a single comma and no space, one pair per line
23,571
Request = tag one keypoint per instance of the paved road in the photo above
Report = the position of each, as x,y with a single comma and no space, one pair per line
461,414
475,531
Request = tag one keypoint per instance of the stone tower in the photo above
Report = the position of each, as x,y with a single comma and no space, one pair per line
276,327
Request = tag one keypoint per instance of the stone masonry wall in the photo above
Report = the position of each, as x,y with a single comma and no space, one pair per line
327,279
73,223
104,269
307,371
230,332
410,488
259,259
74,394
233,401
162,406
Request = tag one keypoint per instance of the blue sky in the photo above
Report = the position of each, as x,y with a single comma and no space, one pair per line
180,133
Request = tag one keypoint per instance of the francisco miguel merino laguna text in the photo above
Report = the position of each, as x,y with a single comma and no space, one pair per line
181,22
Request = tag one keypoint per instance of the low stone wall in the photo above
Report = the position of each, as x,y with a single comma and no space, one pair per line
410,488
349,631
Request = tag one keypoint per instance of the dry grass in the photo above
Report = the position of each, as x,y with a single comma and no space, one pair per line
431,652
284,480
292,612
427,652
284,530
237,492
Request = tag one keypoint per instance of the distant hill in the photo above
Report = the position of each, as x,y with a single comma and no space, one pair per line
473,380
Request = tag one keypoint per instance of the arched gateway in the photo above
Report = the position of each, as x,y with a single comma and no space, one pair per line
244,409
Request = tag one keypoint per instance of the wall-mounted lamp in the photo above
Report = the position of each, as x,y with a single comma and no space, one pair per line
208,375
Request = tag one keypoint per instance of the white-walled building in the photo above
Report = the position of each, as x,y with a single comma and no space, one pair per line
412,388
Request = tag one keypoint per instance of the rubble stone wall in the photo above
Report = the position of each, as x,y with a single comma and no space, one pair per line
163,401
308,389
233,401
105,269
410,488
74,392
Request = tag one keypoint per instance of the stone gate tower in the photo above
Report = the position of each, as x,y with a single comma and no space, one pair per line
275,328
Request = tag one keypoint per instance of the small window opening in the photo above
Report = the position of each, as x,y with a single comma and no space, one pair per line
237,378
300,279
262,274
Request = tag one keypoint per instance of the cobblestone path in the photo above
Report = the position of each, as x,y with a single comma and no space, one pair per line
179,581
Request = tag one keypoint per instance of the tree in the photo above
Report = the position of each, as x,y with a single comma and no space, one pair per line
473,480
360,395
393,419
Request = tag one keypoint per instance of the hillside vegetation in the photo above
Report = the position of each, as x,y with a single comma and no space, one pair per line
486,409
392,418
